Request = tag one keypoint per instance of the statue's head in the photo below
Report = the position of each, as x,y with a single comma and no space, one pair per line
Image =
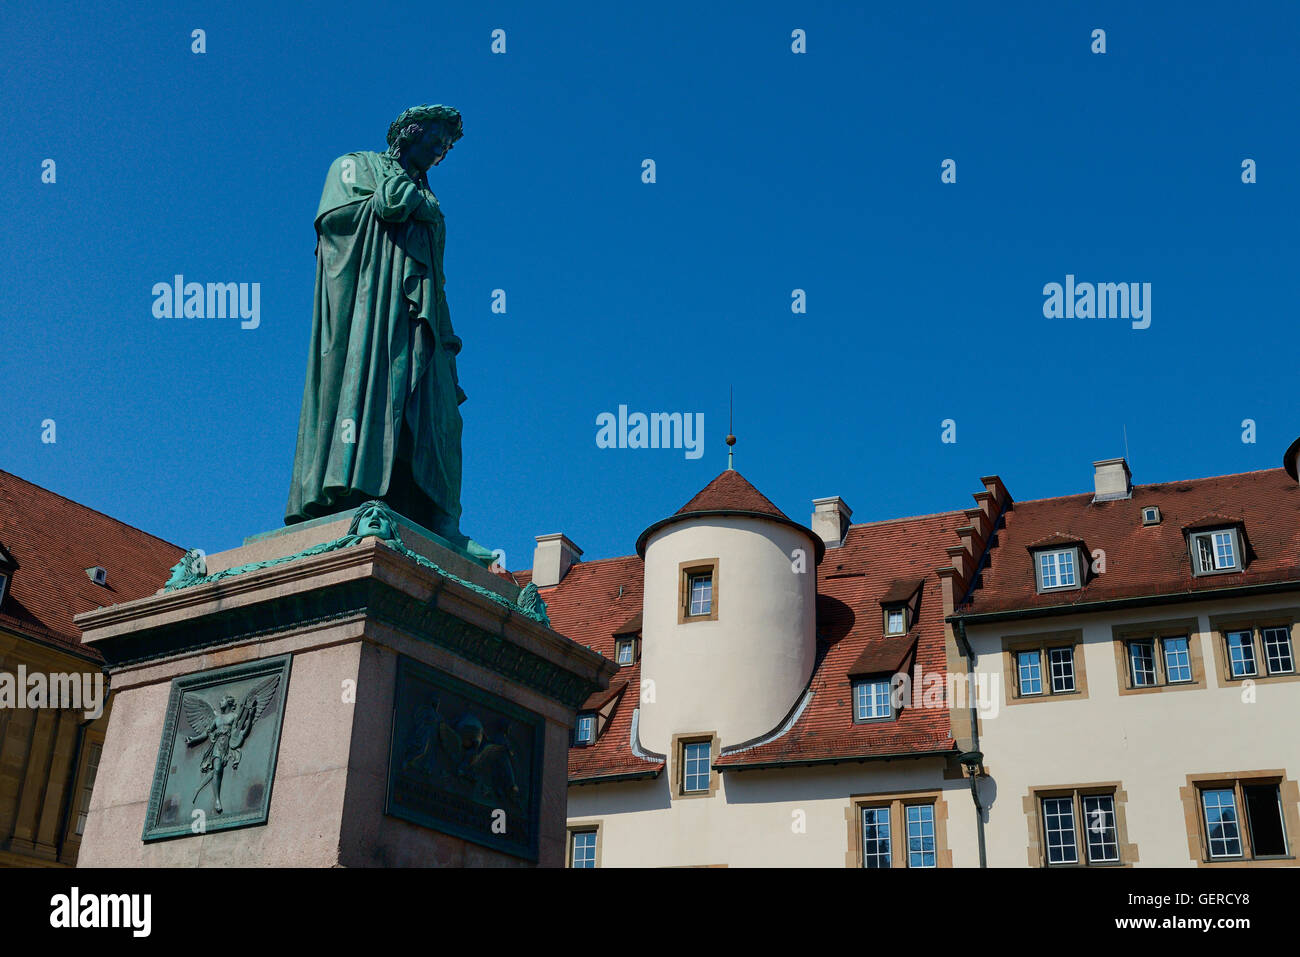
470,730
424,135
227,704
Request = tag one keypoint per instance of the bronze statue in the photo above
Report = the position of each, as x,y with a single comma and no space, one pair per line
381,408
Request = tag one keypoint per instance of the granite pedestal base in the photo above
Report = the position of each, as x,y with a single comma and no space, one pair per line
420,717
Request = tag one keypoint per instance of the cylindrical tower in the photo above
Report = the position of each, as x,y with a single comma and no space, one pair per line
729,616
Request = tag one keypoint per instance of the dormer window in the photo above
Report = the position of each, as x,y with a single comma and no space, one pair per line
584,730
1057,569
896,620
871,700
1216,551
626,651
7,567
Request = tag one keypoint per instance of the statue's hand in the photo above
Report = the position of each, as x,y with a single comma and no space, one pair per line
452,344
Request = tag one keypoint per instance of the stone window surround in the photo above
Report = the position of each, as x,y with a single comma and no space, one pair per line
896,802
1220,625
1033,803
1188,628
677,773
1194,821
684,572
1042,642
573,827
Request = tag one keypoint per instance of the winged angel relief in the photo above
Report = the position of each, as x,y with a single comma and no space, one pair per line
226,728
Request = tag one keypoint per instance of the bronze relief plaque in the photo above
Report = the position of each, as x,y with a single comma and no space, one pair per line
220,741
465,762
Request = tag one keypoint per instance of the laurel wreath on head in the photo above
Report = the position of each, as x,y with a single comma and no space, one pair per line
401,132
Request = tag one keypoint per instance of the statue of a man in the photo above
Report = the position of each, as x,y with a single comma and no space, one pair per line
380,411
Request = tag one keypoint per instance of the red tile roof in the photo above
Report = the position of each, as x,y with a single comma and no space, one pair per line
590,604
54,541
850,626
729,494
731,491
852,581
1146,560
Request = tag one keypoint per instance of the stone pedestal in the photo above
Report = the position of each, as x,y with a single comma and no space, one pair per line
379,701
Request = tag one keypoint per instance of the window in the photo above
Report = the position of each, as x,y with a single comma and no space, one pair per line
1216,551
584,730
87,786
1079,826
1151,515
1042,667
916,820
1241,818
1178,663
695,766
582,852
1241,653
1142,661
920,835
1223,836
1062,662
4,586
1277,651
1058,819
895,621
1056,569
1160,660
698,591
877,848
1030,668
626,652
1259,648
871,700
701,601
1099,827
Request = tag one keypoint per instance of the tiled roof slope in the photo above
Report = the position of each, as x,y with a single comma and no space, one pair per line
852,580
1145,560
587,607
54,540
731,491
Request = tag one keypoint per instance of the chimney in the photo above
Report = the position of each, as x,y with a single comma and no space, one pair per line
1111,480
1291,460
554,555
830,520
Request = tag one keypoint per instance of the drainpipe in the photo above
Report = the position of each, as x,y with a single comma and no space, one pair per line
973,760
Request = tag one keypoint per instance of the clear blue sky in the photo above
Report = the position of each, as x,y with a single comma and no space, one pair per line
775,171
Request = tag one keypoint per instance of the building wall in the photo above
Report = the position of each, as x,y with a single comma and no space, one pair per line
796,817
1148,742
43,763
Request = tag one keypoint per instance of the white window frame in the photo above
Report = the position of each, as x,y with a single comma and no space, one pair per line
573,847
628,644
1207,544
872,699
687,747
901,612
585,719
1055,554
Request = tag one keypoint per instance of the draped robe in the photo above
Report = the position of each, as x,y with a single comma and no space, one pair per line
380,410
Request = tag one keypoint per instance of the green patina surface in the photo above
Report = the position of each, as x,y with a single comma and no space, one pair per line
370,520
220,742
465,762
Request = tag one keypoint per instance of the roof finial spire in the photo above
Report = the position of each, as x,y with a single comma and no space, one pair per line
731,438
